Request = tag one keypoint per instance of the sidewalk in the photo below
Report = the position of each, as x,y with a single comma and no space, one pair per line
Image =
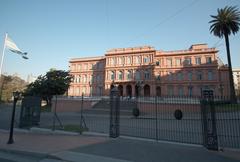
74,148
54,146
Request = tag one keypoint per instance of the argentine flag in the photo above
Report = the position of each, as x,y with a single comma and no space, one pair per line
13,47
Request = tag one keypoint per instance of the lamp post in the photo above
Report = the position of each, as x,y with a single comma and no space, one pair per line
90,88
221,89
16,96
139,85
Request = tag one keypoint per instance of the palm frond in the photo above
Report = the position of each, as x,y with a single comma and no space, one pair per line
227,21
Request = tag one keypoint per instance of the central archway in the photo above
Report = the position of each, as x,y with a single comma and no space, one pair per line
120,89
129,90
111,87
137,90
158,91
146,90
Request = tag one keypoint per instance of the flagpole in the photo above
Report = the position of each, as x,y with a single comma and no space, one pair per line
3,52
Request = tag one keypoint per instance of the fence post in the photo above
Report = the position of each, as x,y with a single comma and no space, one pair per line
210,140
83,124
156,111
114,113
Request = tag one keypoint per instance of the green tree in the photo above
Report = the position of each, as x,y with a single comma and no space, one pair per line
55,82
227,21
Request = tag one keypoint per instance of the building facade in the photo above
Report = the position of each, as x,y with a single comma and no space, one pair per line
236,79
145,71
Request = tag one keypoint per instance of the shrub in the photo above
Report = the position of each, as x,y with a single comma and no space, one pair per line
136,112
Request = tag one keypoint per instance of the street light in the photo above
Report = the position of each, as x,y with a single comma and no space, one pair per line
16,96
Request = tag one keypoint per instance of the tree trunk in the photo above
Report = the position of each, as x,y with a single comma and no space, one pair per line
232,90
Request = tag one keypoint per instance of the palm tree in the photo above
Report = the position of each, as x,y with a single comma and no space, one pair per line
227,21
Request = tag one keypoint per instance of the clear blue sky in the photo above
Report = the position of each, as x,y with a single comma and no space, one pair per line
53,31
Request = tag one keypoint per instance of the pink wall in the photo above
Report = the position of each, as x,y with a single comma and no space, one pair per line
71,105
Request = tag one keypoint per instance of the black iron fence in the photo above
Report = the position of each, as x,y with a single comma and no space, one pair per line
182,119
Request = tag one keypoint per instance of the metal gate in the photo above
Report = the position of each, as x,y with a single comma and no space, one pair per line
162,118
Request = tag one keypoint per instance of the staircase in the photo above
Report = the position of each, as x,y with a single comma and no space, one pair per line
103,107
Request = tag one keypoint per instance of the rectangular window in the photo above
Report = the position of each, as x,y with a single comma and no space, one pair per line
180,76
146,59
169,62
158,77
73,67
137,75
170,90
128,60
147,75
208,60
91,79
188,61
170,76
114,61
210,75
198,60
199,75
180,91
190,90
178,62
138,59
189,75
79,67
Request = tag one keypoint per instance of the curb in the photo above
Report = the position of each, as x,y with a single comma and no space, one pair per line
44,131
95,134
160,141
26,153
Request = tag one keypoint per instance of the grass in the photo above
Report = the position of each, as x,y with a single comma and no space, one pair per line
227,107
46,108
72,128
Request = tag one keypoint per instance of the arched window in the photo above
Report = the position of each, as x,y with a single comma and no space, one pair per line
146,89
112,75
120,75
129,74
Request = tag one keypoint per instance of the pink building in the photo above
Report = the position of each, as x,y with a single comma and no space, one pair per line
145,71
